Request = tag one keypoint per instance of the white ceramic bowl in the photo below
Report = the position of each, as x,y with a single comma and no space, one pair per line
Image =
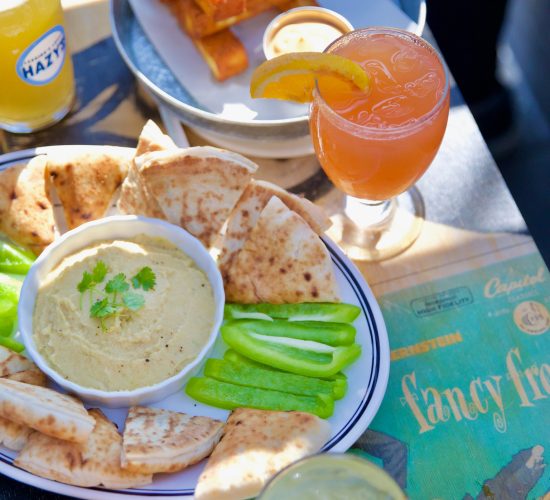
121,226
303,15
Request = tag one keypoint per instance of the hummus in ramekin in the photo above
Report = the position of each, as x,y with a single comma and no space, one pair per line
132,350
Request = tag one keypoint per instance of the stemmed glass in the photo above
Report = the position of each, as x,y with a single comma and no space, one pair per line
374,146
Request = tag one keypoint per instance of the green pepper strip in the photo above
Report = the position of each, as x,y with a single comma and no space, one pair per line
14,260
6,326
11,344
8,300
230,396
339,380
333,334
314,311
242,374
234,357
287,358
340,385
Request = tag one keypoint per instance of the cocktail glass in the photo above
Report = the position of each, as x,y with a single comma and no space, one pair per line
375,145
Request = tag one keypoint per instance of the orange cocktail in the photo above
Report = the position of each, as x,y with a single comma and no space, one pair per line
374,145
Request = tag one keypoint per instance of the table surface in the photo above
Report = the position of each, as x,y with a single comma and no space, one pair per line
470,214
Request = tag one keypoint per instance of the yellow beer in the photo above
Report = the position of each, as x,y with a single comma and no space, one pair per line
36,72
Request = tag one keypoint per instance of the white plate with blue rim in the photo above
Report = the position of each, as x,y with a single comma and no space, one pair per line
166,62
367,381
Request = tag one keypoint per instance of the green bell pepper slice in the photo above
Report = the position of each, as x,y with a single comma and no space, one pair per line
6,326
14,259
234,357
230,396
11,344
242,374
9,296
339,379
332,334
305,311
288,358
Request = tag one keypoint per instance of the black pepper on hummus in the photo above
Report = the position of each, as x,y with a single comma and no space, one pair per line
133,350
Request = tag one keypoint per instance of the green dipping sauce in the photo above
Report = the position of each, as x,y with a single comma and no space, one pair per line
332,476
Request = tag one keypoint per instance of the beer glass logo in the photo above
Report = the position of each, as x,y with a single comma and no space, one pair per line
42,61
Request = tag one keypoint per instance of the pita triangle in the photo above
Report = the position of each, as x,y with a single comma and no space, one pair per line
135,198
282,261
33,376
12,434
197,187
85,182
257,444
158,440
12,362
45,410
95,462
26,214
152,139
247,211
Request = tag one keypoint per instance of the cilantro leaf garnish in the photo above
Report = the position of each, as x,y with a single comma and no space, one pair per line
99,272
117,284
145,279
86,283
91,280
109,306
133,301
103,308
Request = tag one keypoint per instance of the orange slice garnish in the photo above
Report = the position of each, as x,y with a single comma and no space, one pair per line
292,76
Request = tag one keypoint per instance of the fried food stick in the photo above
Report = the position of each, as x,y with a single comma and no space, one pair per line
224,53
222,9
197,24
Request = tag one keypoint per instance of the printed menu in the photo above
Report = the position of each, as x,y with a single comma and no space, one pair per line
467,409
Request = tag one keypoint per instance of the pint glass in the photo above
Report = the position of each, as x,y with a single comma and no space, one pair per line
36,72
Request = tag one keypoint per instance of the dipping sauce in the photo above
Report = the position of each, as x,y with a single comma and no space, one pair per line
303,37
303,29
135,349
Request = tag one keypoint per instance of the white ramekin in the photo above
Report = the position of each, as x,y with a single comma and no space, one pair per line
301,15
117,227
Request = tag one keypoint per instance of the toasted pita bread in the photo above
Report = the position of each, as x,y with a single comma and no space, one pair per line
44,410
152,139
14,366
26,214
282,261
135,198
158,440
12,362
33,376
197,187
85,182
256,444
247,211
93,463
12,434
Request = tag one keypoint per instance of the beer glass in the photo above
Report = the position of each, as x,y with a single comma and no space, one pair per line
36,73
